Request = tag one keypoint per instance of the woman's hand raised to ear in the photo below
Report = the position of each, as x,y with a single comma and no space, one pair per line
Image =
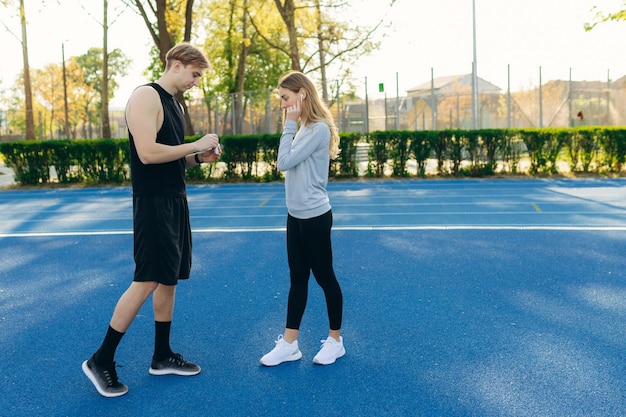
294,112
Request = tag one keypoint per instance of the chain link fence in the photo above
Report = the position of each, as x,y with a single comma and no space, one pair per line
439,104
444,103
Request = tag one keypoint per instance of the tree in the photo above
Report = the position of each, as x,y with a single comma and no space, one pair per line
243,65
84,92
321,47
601,17
315,34
28,95
49,98
165,20
30,120
90,79
287,10
104,94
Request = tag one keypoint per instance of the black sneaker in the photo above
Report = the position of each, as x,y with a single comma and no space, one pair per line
174,365
104,379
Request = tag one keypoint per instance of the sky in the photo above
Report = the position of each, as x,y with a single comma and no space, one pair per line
516,41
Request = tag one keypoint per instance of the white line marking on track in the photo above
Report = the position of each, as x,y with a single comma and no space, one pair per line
337,228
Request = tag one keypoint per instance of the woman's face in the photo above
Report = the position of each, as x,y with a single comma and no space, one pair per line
288,98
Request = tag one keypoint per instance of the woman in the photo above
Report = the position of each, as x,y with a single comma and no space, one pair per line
308,142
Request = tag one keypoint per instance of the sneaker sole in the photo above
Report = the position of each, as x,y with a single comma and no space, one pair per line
153,371
291,358
93,380
317,362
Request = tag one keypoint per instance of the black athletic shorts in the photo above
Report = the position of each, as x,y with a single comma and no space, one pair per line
162,235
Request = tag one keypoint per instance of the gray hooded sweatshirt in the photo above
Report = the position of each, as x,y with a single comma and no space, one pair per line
303,157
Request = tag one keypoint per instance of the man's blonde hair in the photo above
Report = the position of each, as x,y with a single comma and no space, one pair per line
187,54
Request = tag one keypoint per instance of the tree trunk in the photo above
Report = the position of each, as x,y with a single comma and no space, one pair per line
188,20
165,42
288,14
241,74
28,94
322,51
104,110
65,109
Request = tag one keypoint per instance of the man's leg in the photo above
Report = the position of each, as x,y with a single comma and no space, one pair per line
100,368
163,302
164,360
163,305
130,303
125,312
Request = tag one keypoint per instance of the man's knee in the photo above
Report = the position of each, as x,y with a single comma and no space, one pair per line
145,287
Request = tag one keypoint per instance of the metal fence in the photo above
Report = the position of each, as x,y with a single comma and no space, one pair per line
445,104
441,103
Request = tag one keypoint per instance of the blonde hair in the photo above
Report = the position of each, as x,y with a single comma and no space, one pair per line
313,108
187,54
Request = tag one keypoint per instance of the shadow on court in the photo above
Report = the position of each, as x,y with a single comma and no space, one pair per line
472,316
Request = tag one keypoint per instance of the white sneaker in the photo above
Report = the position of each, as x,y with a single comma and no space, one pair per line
282,352
330,352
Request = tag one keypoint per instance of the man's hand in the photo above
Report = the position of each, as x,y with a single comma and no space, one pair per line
210,155
207,142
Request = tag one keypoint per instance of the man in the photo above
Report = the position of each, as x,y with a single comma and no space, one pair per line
162,234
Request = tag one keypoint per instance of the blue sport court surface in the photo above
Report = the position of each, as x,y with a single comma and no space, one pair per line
462,298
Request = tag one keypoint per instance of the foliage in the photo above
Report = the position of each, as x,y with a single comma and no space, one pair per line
245,41
421,146
253,157
88,161
543,147
346,166
30,161
582,146
240,155
601,17
391,147
241,60
91,65
84,84
316,36
378,154
483,147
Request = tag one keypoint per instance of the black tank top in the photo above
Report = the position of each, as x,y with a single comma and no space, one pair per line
166,178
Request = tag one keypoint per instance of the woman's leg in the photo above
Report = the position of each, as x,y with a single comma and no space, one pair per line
299,271
318,248
286,348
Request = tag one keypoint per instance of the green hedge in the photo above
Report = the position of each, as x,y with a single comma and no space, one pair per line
600,150
74,161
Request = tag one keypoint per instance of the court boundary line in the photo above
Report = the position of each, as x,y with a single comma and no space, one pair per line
337,228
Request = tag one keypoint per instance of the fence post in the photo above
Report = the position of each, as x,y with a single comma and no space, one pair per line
508,96
540,101
338,108
217,116
433,105
268,108
232,114
367,110
397,104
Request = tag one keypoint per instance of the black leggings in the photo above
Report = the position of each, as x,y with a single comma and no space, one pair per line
309,249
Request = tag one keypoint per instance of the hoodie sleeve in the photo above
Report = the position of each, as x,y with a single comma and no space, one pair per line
291,153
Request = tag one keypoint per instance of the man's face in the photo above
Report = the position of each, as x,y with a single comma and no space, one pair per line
188,76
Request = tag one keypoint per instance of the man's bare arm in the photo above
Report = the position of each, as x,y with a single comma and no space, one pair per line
144,115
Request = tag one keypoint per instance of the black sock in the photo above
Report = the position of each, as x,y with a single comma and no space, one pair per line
162,348
105,354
